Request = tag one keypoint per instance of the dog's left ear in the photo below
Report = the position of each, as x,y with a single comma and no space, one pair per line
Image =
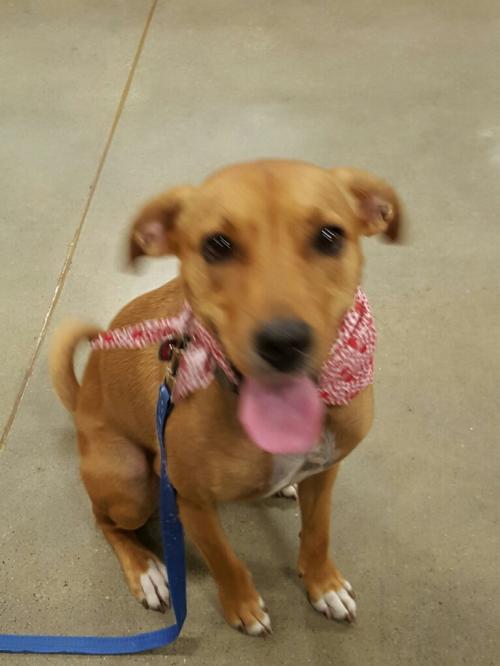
374,201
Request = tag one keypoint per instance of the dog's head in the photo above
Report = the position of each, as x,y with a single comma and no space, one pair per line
270,255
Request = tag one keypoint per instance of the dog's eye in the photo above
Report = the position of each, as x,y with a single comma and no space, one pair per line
329,240
217,248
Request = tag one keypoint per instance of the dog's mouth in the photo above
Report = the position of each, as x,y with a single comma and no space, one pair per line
279,405
282,417
281,414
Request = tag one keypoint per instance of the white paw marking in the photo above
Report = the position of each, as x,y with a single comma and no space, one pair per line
259,627
337,604
290,492
347,586
154,584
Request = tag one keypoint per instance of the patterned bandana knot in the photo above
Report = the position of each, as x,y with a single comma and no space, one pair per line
346,372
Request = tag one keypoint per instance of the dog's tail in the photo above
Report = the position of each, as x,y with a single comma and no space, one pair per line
62,350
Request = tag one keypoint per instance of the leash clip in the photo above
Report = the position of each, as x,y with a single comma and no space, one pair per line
170,352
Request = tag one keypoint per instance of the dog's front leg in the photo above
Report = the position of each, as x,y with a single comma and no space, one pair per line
242,606
328,591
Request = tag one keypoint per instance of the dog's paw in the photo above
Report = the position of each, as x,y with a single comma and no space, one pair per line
154,592
337,604
251,618
288,492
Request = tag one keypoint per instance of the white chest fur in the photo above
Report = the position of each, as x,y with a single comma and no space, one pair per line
289,469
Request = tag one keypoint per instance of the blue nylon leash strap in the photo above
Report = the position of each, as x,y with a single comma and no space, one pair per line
173,552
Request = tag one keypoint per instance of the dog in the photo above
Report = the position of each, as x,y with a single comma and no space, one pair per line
270,266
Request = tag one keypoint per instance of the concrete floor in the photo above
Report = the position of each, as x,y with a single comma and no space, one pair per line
105,103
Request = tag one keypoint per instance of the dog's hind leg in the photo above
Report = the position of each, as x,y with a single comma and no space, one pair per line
123,488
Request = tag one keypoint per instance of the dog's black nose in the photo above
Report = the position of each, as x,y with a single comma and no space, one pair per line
284,343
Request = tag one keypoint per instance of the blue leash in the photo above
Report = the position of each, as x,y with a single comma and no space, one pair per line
173,551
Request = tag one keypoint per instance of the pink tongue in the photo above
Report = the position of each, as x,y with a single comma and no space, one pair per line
282,419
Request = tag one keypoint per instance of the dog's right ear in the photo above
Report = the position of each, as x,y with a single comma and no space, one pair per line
153,231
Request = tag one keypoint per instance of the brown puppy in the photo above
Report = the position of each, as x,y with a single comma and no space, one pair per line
253,251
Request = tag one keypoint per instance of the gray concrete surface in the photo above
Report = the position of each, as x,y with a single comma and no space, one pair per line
409,90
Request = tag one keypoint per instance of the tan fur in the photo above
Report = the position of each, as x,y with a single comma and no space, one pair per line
271,210
63,346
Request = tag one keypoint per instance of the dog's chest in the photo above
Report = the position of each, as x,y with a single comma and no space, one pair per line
289,469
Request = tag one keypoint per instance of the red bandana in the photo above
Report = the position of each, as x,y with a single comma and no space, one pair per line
346,372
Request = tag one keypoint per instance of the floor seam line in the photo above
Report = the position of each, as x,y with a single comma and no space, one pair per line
76,236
